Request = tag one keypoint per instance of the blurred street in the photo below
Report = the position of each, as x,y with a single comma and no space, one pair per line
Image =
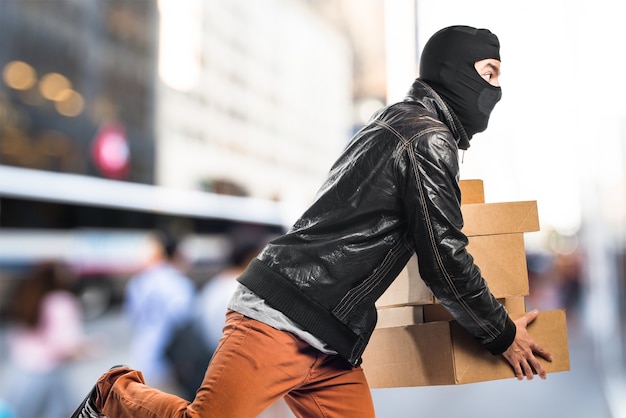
573,394
122,118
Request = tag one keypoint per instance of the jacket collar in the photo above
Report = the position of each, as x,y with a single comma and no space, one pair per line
424,94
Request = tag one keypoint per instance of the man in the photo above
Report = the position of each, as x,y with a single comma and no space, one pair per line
304,311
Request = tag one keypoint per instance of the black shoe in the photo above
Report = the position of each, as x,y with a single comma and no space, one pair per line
87,408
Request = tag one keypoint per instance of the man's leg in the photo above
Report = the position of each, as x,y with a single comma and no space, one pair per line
246,377
332,389
253,366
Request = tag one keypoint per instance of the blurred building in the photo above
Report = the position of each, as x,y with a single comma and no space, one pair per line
256,93
258,97
120,116
76,96
78,86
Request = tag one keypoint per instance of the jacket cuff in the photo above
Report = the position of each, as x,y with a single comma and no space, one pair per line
504,340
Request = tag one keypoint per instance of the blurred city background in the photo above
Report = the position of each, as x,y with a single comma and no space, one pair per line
215,121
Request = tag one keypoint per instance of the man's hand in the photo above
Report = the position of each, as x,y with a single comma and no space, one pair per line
521,354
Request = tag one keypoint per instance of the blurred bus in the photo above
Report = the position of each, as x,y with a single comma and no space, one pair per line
100,228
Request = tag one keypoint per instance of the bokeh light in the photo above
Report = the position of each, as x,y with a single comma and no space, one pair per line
19,75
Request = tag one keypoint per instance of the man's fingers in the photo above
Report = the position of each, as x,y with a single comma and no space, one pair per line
528,371
538,368
531,316
524,352
542,352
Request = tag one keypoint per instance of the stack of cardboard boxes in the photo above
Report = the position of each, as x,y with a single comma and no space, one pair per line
416,342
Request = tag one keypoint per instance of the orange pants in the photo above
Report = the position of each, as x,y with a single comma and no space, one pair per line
254,366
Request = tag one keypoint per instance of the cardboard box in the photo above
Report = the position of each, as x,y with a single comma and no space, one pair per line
401,315
442,353
515,305
500,218
407,289
472,191
416,314
502,262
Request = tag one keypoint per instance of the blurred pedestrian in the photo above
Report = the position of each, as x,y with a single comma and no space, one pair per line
569,270
45,333
214,296
305,308
158,299
216,293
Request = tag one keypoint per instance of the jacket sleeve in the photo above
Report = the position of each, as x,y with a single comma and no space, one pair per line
432,199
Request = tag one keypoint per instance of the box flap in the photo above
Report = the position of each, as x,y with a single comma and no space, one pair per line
400,316
407,289
500,218
472,191
502,262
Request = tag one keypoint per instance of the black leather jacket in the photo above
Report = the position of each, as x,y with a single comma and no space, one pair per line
392,192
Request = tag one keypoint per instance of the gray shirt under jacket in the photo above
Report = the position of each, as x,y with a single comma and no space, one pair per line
249,304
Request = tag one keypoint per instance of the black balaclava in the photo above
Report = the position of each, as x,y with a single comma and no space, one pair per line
447,65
